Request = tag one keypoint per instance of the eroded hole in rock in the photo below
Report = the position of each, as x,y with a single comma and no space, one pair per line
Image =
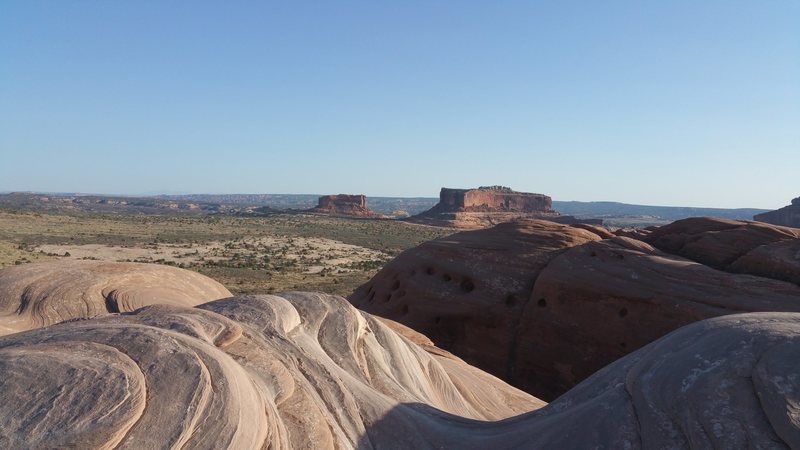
111,303
388,297
593,254
623,312
371,297
511,300
467,285
542,303
396,285
447,277
430,271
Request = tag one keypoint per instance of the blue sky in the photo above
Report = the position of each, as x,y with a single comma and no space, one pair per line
668,103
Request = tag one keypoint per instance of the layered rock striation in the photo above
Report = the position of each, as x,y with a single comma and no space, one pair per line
345,205
303,370
487,206
788,216
41,294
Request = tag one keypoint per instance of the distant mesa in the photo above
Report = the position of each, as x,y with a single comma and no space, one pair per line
491,205
345,205
788,216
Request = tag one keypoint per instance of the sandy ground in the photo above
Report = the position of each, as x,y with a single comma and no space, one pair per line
311,255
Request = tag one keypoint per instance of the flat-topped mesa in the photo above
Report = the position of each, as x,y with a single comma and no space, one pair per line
490,205
493,199
788,216
345,205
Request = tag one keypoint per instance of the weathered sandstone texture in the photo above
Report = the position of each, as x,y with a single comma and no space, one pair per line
303,370
345,205
36,295
299,370
788,216
733,245
489,205
543,305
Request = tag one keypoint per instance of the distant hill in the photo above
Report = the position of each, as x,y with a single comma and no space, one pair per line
659,214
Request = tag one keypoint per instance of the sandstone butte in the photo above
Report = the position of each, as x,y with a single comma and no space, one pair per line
544,306
345,205
490,205
305,370
788,216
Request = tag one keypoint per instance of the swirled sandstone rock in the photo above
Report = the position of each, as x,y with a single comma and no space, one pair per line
300,370
304,370
36,295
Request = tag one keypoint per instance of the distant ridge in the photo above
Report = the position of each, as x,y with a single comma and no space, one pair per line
616,209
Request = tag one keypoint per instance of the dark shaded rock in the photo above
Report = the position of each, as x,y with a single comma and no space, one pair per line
788,216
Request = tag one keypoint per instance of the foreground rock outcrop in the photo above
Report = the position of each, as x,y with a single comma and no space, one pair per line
299,370
303,370
467,292
41,294
345,205
544,305
489,205
736,246
788,216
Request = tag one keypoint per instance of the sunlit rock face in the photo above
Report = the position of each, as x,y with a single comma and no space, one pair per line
489,205
345,205
299,370
36,295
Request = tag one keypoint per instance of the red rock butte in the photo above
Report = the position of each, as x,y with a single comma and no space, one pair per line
490,205
345,205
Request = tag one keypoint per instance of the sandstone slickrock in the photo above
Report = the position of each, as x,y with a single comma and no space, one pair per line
543,305
599,301
299,370
489,205
788,216
305,370
721,244
36,295
467,291
345,205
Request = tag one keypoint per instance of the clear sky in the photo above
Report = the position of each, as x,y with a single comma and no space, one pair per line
693,103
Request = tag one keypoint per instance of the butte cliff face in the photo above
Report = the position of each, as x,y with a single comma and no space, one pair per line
487,206
345,205
788,216
543,305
